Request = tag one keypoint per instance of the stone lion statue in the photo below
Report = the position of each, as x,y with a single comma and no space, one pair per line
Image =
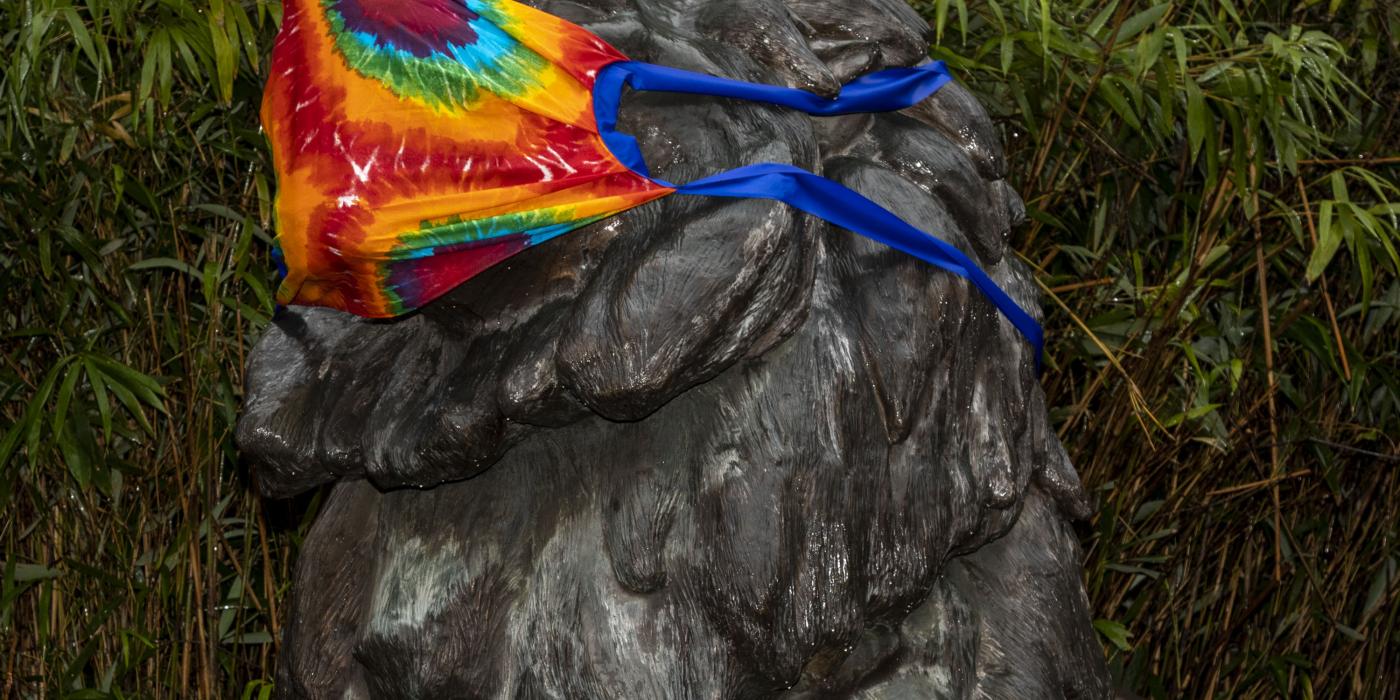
705,449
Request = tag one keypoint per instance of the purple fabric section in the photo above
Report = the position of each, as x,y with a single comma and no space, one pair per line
420,27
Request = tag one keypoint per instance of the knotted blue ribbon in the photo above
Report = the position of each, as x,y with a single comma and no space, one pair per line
883,91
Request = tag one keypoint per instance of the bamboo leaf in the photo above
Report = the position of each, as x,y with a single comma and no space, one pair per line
83,38
10,443
1179,49
144,386
1329,239
1139,22
1096,25
164,263
146,86
65,397
75,454
35,410
1198,122
128,399
99,390
1119,103
1149,50
223,50
1114,632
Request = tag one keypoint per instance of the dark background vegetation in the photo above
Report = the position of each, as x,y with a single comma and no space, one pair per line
1214,204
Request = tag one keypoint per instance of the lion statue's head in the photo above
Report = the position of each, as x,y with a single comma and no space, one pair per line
706,448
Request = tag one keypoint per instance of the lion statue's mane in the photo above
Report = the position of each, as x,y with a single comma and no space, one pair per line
705,449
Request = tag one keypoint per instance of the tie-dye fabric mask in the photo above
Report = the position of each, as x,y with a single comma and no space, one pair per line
419,142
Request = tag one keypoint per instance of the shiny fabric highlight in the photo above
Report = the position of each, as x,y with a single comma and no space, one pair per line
420,142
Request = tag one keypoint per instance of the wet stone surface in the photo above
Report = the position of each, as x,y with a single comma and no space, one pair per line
706,449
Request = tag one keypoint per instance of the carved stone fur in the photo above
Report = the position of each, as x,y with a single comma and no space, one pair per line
706,449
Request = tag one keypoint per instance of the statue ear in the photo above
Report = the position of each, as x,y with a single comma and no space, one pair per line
982,209
956,114
688,285
431,397
682,299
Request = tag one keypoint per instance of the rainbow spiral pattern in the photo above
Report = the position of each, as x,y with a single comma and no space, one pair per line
419,142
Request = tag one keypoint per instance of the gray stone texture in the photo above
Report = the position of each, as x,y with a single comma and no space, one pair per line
708,448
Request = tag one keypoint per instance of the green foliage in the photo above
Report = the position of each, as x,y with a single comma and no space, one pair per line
133,216
1213,194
